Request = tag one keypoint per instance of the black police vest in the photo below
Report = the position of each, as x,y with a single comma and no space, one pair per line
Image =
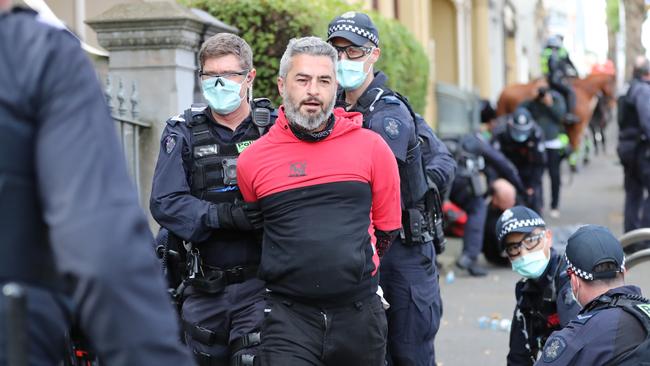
628,118
639,308
469,166
214,161
25,252
413,181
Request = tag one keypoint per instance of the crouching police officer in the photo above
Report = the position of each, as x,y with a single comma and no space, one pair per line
613,327
476,157
409,276
522,141
195,196
544,300
72,233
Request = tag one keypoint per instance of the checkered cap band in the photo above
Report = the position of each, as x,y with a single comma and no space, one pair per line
584,274
508,228
354,29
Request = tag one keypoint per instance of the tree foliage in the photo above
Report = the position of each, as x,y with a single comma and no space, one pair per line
268,25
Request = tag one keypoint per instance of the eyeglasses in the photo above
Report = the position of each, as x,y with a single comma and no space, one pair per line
353,52
529,241
233,76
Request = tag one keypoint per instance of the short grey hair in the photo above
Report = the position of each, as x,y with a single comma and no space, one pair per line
312,46
224,44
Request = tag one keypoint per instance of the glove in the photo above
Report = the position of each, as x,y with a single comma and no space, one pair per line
384,240
239,216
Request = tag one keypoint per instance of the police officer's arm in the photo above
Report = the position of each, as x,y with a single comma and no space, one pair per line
643,108
171,203
502,165
98,232
386,201
439,163
518,354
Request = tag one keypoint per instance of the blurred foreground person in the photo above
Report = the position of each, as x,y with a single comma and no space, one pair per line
73,236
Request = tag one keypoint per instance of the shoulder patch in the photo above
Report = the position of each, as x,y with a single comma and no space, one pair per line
553,348
645,308
170,143
392,127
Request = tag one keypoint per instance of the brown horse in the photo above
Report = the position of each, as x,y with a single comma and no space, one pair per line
586,90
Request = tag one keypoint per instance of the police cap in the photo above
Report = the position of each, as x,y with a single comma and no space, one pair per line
356,27
591,246
518,219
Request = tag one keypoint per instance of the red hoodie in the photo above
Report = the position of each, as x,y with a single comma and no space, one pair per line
318,199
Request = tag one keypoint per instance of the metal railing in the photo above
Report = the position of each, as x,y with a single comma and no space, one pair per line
128,125
633,237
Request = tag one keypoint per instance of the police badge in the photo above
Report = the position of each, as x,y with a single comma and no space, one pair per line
170,143
392,127
553,348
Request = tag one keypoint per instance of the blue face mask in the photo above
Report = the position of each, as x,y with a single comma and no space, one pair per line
223,95
531,265
350,74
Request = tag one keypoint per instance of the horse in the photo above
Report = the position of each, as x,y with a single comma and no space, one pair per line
586,90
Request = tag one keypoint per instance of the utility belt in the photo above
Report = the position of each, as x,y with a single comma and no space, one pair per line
424,226
213,280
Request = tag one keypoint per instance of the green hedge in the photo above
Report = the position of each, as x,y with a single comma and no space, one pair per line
267,25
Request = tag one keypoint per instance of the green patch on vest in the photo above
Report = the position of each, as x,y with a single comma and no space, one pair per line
241,146
645,308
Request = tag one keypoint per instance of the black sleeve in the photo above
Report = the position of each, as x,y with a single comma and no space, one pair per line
518,355
98,232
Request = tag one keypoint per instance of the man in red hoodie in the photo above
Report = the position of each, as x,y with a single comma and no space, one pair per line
329,193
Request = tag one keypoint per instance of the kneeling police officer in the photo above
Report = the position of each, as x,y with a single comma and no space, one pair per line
195,196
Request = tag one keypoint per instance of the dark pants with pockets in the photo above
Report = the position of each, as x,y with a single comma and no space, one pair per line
409,278
299,334
233,313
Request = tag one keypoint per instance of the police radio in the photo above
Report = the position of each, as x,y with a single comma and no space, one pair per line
262,114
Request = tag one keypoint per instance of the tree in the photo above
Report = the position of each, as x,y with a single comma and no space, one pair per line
635,15
613,27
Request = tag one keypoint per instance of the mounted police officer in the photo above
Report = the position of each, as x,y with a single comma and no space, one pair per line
613,327
521,140
544,299
476,160
409,275
557,66
195,196
73,235
633,146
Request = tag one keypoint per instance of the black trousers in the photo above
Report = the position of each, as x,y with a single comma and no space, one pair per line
553,160
298,334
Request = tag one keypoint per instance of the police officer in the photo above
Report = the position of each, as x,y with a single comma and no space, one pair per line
522,141
633,147
73,234
195,196
556,66
544,298
547,109
409,282
474,155
613,327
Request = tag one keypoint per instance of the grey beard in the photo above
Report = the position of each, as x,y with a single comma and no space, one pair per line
307,122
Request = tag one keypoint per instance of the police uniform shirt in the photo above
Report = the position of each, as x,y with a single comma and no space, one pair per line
596,337
97,230
175,208
391,119
530,295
